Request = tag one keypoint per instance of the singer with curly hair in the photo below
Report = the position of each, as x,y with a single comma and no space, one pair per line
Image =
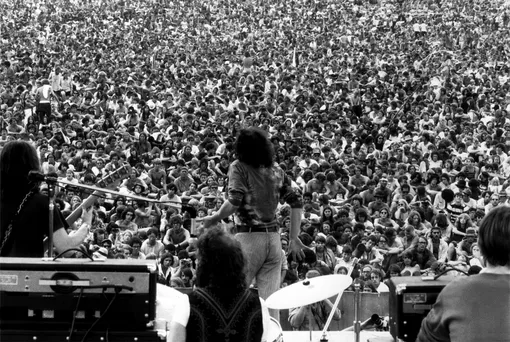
256,185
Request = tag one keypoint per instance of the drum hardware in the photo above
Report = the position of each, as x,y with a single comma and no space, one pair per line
310,291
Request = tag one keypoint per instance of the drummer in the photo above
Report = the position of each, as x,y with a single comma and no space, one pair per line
299,317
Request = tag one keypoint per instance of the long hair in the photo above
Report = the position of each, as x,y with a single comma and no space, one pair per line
17,159
469,222
254,148
221,262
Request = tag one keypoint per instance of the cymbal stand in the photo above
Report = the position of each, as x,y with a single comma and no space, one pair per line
310,320
357,322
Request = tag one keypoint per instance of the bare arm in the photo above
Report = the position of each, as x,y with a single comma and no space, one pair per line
329,306
297,316
226,210
63,242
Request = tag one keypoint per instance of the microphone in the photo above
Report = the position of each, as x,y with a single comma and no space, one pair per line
36,176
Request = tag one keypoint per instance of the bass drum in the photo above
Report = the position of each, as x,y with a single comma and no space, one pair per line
275,333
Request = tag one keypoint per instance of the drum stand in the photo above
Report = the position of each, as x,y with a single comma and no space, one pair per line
357,322
310,318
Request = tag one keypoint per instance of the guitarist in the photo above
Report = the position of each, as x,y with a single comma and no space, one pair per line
24,210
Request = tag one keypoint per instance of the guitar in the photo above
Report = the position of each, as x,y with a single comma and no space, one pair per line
110,181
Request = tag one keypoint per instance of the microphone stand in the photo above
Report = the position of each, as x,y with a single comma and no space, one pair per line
51,207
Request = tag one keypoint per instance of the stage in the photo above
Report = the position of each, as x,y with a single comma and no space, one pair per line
337,336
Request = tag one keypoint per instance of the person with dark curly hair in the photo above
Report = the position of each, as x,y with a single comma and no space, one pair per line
126,221
220,286
256,185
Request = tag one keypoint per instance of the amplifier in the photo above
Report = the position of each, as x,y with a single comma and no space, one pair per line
55,295
411,299
63,336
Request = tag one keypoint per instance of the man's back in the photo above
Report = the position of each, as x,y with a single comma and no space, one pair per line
475,308
258,189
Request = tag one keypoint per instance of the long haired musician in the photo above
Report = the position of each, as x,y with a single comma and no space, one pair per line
24,211
221,308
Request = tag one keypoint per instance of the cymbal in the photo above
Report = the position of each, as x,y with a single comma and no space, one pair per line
308,291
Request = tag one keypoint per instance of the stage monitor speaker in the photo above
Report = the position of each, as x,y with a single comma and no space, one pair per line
411,299
53,295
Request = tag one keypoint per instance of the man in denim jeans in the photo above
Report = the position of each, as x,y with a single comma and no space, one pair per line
256,184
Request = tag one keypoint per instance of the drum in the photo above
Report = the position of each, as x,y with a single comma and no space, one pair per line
275,333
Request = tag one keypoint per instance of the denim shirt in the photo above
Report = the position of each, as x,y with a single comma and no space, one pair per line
257,192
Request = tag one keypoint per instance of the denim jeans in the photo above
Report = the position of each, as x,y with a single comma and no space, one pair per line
263,253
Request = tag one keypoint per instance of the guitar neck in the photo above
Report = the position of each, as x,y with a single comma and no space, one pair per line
111,180
76,214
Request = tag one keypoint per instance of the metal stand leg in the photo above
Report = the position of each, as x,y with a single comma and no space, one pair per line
51,197
357,322
310,320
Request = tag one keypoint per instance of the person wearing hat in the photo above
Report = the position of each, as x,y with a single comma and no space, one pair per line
375,206
451,317
100,254
464,246
503,197
459,186
467,200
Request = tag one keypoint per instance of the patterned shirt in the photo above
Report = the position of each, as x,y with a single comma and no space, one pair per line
257,191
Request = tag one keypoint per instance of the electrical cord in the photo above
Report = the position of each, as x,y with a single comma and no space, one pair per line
450,268
117,288
76,250
74,315
117,291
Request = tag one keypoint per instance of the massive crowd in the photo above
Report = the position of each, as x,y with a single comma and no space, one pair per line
391,118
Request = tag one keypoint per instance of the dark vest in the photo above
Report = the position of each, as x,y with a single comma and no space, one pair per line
235,318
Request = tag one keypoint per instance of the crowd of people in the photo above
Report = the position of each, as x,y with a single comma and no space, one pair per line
391,118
